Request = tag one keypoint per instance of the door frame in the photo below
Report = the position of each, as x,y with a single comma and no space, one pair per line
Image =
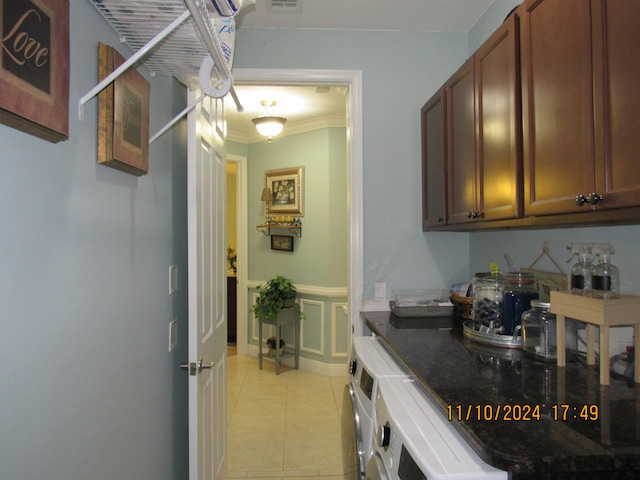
243,247
352,78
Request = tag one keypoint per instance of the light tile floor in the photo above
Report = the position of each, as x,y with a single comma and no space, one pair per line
283,426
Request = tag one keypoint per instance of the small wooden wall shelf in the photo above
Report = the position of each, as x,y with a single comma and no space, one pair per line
280,228
605,313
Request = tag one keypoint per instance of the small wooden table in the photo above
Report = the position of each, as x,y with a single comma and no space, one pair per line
614,312
286,317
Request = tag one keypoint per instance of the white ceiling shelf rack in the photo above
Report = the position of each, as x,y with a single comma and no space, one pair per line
172,38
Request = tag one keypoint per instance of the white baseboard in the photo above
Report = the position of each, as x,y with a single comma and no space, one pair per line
314,366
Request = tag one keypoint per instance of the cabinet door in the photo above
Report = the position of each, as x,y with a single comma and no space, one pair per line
434,160
616,79
557,103
498,123
461,143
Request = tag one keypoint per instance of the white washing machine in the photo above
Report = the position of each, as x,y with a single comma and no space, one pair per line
414,441
369,362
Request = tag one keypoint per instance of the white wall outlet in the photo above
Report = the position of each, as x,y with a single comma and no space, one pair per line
173,335
173,279
381,291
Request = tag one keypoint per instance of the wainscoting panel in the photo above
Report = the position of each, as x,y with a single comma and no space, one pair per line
340,330
325,332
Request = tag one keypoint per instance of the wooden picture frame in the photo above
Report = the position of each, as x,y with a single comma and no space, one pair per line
123,116
282,242
287,190
34,67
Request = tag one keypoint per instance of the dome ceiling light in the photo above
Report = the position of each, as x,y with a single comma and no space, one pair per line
269,124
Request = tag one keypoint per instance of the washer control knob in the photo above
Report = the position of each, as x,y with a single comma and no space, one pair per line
384,435
353,367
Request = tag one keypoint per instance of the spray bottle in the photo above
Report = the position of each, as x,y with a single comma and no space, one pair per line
581,271
605,275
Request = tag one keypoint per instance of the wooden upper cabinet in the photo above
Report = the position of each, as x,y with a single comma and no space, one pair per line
484,139
557,104
434,157
461,146
616,60
498,122
580,75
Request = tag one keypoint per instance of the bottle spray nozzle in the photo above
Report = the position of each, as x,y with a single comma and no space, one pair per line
602,249
583,250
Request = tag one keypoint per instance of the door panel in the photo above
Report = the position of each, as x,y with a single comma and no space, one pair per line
207,291
557,105
616,80
434,161
498,123
461,153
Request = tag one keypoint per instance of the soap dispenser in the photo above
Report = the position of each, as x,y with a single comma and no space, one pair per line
605,275
581,272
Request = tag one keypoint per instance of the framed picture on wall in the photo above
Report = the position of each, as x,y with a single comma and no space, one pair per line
282,242
123,116
287,190
34,67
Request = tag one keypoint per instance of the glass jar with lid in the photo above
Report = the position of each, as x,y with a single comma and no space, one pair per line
487,300
519,289
539,335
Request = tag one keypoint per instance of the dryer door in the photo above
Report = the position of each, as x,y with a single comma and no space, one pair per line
375,469
352,445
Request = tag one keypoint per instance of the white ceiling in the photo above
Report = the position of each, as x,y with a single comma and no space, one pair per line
307,108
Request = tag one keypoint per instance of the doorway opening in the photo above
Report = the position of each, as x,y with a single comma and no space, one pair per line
354,126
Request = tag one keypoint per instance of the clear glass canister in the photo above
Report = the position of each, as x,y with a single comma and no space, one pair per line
487,300
539,335
539,331
519,289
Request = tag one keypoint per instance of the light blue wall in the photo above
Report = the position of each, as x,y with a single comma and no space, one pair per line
400,72
88,388
492,18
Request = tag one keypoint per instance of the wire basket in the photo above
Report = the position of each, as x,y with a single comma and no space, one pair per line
421,310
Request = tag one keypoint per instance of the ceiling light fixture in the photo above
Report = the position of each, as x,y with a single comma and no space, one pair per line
268,124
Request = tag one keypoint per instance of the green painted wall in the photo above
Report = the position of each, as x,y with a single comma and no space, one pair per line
320,255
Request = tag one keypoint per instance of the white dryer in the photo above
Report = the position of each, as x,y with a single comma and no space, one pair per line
414,441
370,362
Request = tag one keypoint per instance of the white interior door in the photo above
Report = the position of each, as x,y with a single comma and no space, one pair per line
206,179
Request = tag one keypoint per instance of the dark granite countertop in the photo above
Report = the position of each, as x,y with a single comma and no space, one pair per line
454,371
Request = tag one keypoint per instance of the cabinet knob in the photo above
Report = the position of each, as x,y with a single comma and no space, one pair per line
469,214
440,219
594,198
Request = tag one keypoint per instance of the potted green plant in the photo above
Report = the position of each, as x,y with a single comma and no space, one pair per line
275,295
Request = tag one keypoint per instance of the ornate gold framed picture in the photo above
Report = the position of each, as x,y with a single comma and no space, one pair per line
287,190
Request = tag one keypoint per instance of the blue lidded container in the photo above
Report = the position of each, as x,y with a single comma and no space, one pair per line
519,289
